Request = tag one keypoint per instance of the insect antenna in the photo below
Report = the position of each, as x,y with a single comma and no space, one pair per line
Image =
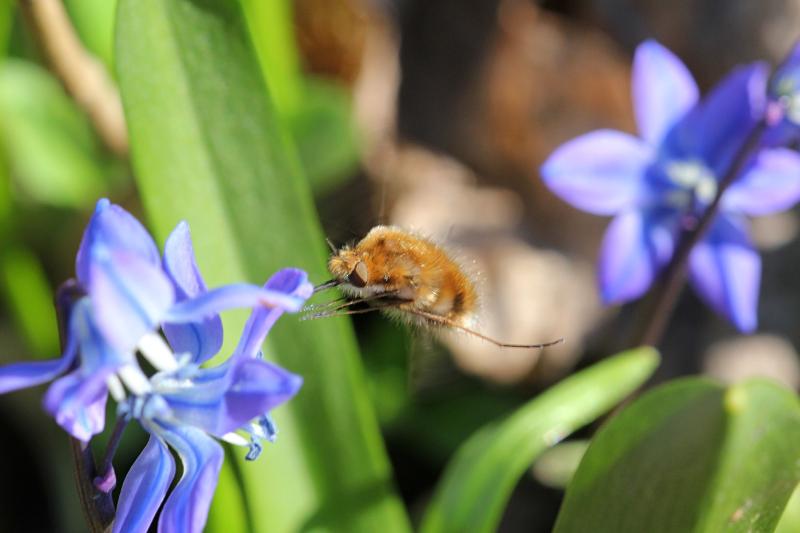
444,321
331,245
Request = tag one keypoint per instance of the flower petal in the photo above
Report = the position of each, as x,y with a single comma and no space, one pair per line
144,488
116,229
129,296
78,403
96,354
788,69
714,130
663,90
636,246
784,133
291,281
230,297
22,375
600,172
202,338
180,264
784,90
186,508
221,402
770,184
725,271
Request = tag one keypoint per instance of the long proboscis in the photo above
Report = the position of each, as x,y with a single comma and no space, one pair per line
327,285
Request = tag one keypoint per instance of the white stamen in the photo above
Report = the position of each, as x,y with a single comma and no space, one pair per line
115,388
685,173
793,108
133,378
235,439
706,189
695,179
158,352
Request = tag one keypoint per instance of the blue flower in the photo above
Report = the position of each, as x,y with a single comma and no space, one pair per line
659,184
783,109
186,407
183,412
125,295
130,293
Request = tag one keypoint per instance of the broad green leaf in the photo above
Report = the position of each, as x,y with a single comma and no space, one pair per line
94,21
271,25
479,480
790,519
315,112
207,147
29,297
6,202
50,146
6,21
325,135
228,512
690,455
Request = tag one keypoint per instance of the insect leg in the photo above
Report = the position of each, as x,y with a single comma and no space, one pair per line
444,321
379,302
324,305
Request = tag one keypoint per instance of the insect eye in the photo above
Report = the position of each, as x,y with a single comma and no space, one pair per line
358,277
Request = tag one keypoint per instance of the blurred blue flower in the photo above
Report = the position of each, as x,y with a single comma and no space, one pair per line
783,111
659,184
190,405
130,295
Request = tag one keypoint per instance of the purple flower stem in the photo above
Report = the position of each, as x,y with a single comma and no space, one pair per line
97,506
661,303
106,480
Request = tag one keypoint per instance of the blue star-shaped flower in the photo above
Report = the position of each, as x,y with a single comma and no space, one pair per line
126,295
188,406
659,184
783,109
131,292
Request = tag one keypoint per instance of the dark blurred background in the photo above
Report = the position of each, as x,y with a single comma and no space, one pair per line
455,104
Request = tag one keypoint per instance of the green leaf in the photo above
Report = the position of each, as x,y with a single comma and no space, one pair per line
29,297
228,512
790,519
690,456
207,147
315,112
271,25
7,9
94,22
51,148
482,475
325,135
